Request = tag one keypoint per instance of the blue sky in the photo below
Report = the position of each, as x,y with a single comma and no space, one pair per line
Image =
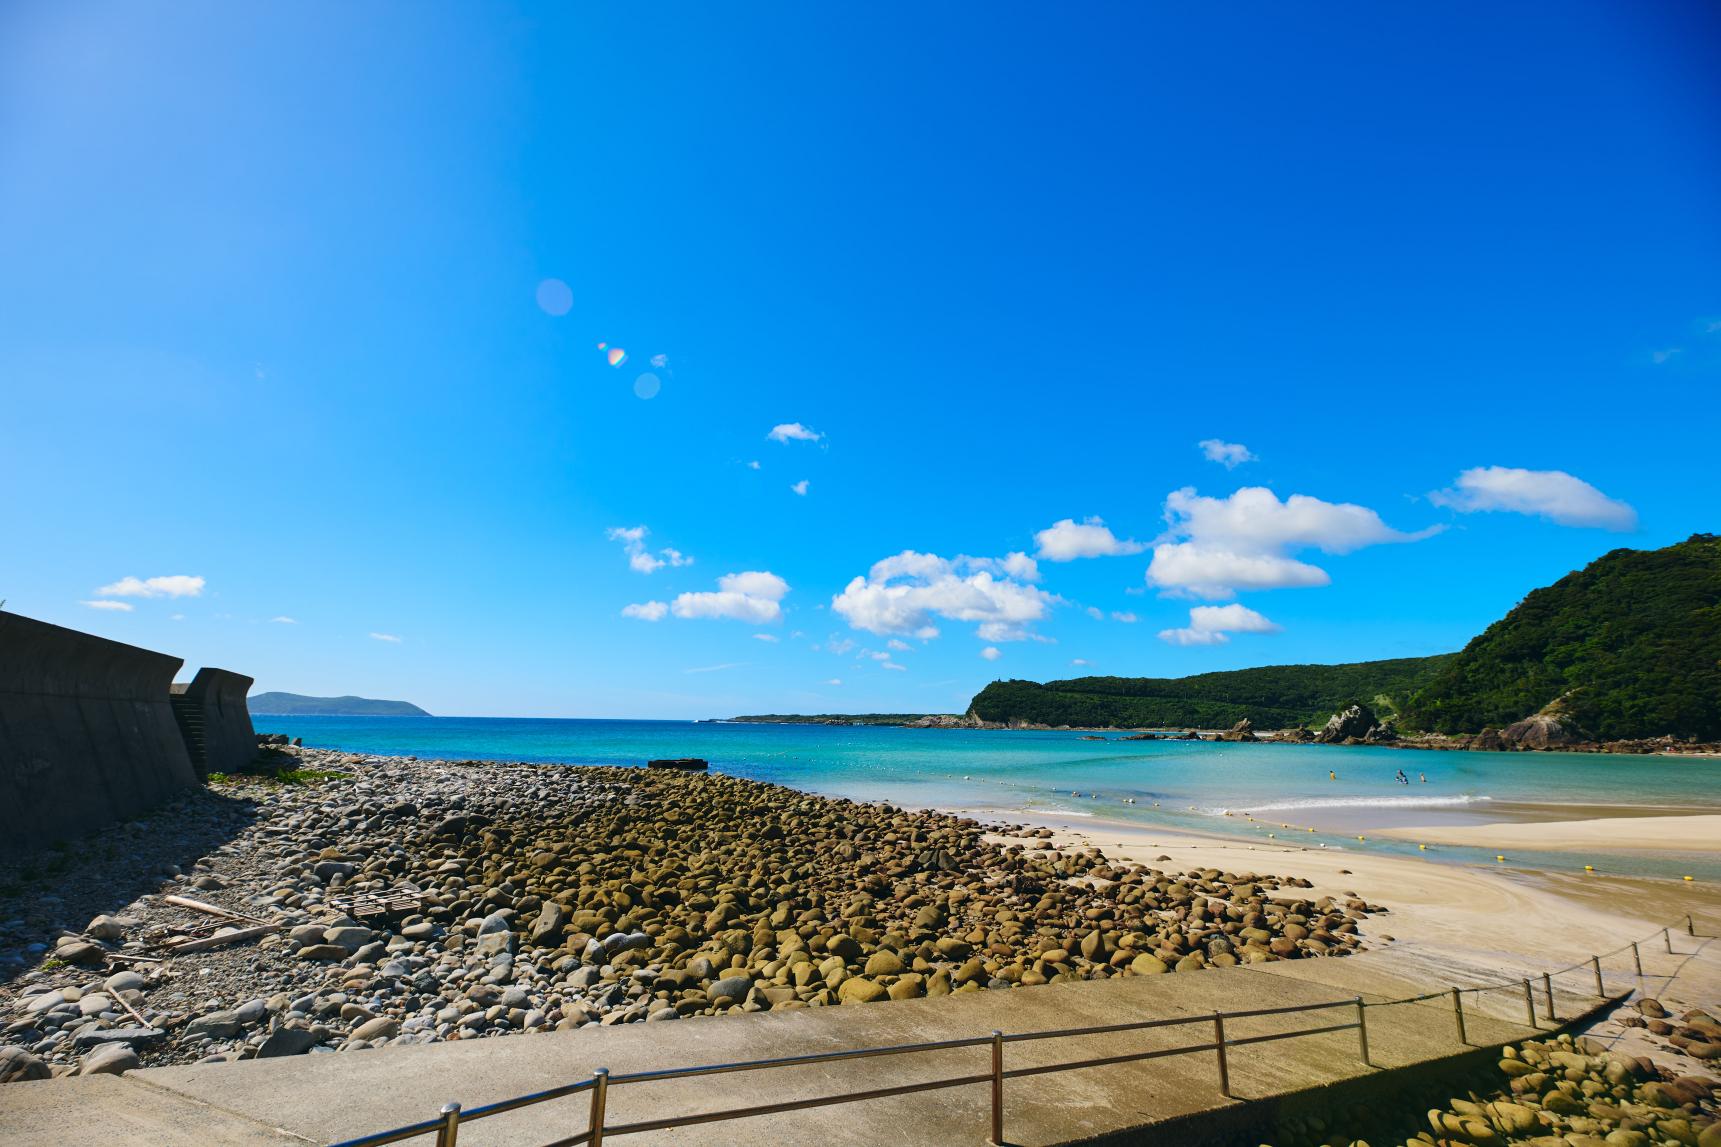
277,342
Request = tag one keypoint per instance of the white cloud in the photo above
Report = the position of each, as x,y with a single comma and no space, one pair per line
388,637
793,432
285,620
750,596
640,559
902,594
1080,661
1124,616
1662,357
800,487
991,653
771,638
1551,494
834,681
176,617
1016,565
175,585
754,465
1096,613
646,610
1068,540
898,645
893,665
1228,454
1242,542
1213,625
660,360
111,606
717,668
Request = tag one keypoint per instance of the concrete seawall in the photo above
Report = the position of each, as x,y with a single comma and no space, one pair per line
216,723
87,734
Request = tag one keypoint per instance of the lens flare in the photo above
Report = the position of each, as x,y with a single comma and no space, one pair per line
647,385
617,356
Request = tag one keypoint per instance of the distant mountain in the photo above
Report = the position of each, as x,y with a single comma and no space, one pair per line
1271,697
295,705
1627,647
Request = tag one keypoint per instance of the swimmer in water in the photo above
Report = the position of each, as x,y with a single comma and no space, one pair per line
1423,777
1331,775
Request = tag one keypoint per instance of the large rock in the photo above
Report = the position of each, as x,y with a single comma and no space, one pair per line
1539,732
1351,721
109,1059
18,1064
1243,730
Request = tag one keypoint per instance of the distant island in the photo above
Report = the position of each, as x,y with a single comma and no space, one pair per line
297,705
1626,649
847,719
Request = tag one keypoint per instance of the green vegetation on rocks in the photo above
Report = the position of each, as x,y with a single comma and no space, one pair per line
1559,1092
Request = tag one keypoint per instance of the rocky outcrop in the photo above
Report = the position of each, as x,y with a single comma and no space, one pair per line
1350,723
1543,731
1243,730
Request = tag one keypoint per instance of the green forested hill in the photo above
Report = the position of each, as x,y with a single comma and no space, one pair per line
1630,647
1275,696
1630,644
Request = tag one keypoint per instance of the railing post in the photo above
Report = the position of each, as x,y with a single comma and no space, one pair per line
1458,1016
1219,1049
1548,990
1667,938
1529,1004
1690,928
1636,960
1595,966
450,1129
600,1096
997,1089
1362,1032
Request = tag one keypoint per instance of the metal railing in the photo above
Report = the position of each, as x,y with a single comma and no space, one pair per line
446,1126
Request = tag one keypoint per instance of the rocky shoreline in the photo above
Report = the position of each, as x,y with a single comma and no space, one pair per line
371,901
1358,725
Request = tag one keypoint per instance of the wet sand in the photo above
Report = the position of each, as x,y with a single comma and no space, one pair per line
1686,833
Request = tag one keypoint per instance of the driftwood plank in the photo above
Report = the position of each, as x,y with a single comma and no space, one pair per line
218,941
211,909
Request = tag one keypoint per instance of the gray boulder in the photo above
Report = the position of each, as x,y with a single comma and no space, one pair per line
1539,732
109,1059
17,1064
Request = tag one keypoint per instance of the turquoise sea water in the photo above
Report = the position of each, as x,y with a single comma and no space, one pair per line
1058,774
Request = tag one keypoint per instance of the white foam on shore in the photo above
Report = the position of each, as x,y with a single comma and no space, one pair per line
1362,802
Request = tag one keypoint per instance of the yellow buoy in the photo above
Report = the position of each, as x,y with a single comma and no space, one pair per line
1311,830
1362,838
1499,858
1589,868
1688,878
1422,848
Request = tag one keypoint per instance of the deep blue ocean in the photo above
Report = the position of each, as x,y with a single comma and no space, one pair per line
1054,775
